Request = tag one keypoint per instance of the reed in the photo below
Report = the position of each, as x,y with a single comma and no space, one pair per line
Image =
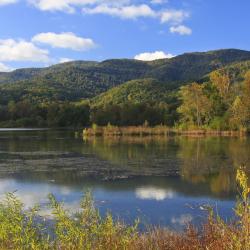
159,130
111,130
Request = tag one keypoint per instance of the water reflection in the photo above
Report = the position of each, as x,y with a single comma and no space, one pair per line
157,177
152,193
183,220
211,160
157,200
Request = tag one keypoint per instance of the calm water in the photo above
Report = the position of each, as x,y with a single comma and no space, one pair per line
164,181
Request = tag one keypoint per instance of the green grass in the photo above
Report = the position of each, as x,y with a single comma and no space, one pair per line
20,229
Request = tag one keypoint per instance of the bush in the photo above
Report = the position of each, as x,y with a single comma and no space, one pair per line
219,123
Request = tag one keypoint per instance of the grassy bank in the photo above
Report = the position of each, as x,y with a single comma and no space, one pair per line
24,229
159,130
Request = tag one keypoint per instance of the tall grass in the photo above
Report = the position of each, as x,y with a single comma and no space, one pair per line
23,229
159,130
111,130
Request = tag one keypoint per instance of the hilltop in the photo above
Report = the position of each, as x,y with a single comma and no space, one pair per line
74,81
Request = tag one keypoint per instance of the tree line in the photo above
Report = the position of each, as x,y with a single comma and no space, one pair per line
219,103
26,114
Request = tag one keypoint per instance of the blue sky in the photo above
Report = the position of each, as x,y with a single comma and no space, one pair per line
36,33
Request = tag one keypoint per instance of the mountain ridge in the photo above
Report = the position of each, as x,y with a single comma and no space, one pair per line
77,80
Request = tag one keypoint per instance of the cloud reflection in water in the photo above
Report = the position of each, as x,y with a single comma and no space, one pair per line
153,193
32,194
183,220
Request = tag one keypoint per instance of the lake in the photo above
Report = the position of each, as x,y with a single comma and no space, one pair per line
167,181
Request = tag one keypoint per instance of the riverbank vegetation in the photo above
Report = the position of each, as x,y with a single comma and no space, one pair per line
159,130
111,130
25,229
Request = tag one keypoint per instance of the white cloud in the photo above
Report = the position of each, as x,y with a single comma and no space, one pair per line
158,1
65,41
174,16
65,60
6,2
55,5
181,29
126,12
148,56
21,50
135,11
5,68
125,9
69,5
152,193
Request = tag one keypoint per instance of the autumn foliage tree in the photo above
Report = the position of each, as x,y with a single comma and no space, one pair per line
240,110
196,106
222,81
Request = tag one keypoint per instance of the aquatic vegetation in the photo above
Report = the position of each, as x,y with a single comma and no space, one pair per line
25,229
111,130
159,130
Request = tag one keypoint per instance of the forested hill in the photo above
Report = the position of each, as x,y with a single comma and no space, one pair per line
129,92
146,90
78,80
152,91
221,101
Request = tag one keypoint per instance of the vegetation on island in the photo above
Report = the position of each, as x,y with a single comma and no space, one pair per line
193,91
22,228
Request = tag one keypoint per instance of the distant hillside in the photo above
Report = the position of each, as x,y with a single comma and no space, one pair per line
193,66
29,73
136,91
19,74
236,71
78,80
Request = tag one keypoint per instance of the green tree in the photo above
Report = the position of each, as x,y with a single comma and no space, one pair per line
221,80
240,110
196,106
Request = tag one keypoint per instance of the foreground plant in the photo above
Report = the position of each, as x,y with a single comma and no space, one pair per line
19,228
87,230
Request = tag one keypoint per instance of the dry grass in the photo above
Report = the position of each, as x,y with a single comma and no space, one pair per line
213,236
111,130
159,130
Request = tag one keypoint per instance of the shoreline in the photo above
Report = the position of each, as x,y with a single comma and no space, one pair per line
139,131
115,131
